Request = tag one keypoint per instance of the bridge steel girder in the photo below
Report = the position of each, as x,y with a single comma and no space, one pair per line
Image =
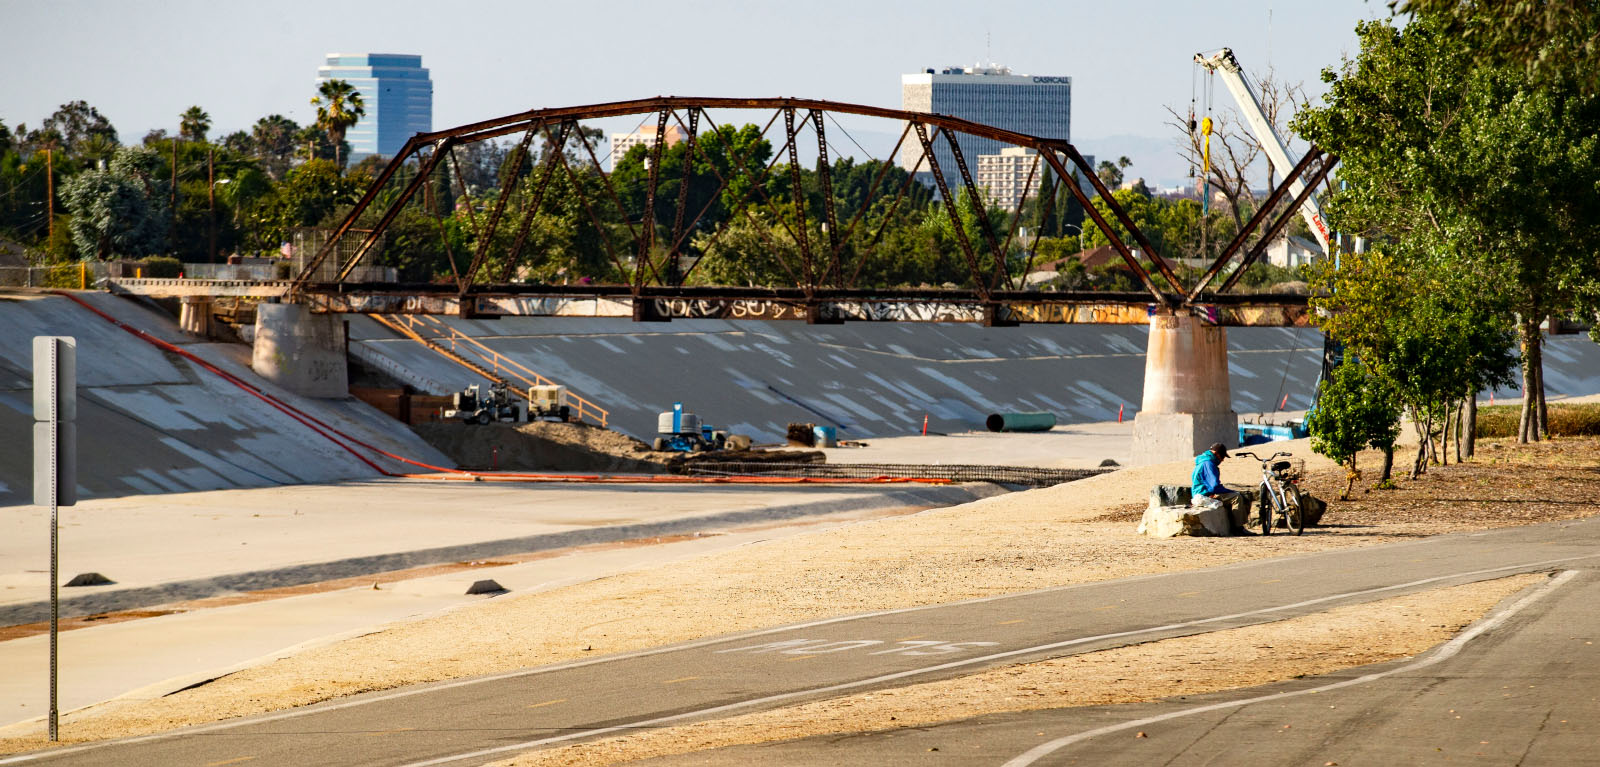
1262,211
823,304
817,279
1279,223
531,119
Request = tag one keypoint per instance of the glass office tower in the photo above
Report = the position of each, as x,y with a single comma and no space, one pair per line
396,93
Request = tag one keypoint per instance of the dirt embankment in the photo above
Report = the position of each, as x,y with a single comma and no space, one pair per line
557,446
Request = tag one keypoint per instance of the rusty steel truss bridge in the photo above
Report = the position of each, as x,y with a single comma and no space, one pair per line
823,275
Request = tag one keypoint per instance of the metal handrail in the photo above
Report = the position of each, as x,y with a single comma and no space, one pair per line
501,364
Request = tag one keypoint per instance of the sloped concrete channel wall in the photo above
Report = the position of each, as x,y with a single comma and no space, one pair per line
867,379
880,379
150,422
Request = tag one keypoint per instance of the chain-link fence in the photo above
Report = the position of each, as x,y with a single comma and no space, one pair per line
305,242
78,274
1009,475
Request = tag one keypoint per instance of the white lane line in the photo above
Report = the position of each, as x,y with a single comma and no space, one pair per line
729,707
1448,650
317,709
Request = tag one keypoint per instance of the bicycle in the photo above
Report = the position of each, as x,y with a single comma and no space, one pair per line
1278,493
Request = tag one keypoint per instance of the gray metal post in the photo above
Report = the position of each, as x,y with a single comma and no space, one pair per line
54,465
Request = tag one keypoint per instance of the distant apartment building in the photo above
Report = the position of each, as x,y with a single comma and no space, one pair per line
622,142
396,94
1010,177
1033,104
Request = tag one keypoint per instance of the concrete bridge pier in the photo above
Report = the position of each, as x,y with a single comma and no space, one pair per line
1188,403
194,315
301,351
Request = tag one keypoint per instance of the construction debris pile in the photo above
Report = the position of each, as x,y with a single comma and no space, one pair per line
568,447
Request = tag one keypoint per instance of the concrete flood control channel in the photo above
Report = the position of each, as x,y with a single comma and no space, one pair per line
473,721
880,379
233,572
196,432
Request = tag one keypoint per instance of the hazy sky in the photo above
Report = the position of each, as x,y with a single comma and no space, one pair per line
142,63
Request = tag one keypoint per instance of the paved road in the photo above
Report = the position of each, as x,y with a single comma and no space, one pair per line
1519,688
475,721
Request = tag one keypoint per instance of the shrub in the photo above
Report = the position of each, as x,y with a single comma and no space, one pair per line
1580,420
162,266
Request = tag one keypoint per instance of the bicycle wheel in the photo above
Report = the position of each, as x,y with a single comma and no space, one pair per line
1297,509
1264,500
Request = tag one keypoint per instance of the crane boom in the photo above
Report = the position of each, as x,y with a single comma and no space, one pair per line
1222,62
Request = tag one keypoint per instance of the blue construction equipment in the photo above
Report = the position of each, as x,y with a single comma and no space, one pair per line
683,432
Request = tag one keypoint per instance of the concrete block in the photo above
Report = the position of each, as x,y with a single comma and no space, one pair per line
1173,521
301,351
1163,437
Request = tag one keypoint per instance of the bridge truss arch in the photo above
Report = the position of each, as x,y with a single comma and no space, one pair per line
645,251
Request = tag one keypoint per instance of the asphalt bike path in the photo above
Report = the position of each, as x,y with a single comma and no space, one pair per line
479,720
1521,686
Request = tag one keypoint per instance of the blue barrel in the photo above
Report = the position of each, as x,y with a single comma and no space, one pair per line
1021,421
827,436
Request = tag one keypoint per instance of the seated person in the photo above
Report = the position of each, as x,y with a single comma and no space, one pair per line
1208,490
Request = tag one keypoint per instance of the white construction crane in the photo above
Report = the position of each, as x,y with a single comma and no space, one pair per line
1223,63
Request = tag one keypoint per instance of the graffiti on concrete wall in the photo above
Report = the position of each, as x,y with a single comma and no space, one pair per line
727,309
1080,314
355,303
553,306
1039,312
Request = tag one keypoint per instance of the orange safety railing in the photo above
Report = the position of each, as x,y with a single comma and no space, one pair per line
500,367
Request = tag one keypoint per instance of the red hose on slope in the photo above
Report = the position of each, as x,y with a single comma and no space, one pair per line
341,439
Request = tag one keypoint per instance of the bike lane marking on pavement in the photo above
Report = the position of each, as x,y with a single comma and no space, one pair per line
1446,651
319,709
843,686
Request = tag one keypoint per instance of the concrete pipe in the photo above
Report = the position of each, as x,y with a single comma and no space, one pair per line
1021,421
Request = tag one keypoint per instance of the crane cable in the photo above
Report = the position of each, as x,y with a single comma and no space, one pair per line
349,444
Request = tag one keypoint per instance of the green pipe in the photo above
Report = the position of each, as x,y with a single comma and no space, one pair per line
1021,422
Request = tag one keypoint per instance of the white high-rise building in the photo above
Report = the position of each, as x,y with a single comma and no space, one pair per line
396,96
1033,104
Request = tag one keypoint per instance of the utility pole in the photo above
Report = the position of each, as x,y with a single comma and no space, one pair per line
50,196
211,201
172,202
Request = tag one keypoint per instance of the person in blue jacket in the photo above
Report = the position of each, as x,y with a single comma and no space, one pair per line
1208,490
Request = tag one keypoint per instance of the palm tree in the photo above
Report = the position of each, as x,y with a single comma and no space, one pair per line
338,107
193,124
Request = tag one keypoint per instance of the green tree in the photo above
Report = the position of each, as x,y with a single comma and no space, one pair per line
1550,38
194,124
72,124
1110,173
119,211
1479,168
273,139
1355,410
309,196
1424,328
338,106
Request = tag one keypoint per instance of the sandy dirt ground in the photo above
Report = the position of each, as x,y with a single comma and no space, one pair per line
1067,534
1221,660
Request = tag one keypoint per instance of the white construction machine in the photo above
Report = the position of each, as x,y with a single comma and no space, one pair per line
1227,67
